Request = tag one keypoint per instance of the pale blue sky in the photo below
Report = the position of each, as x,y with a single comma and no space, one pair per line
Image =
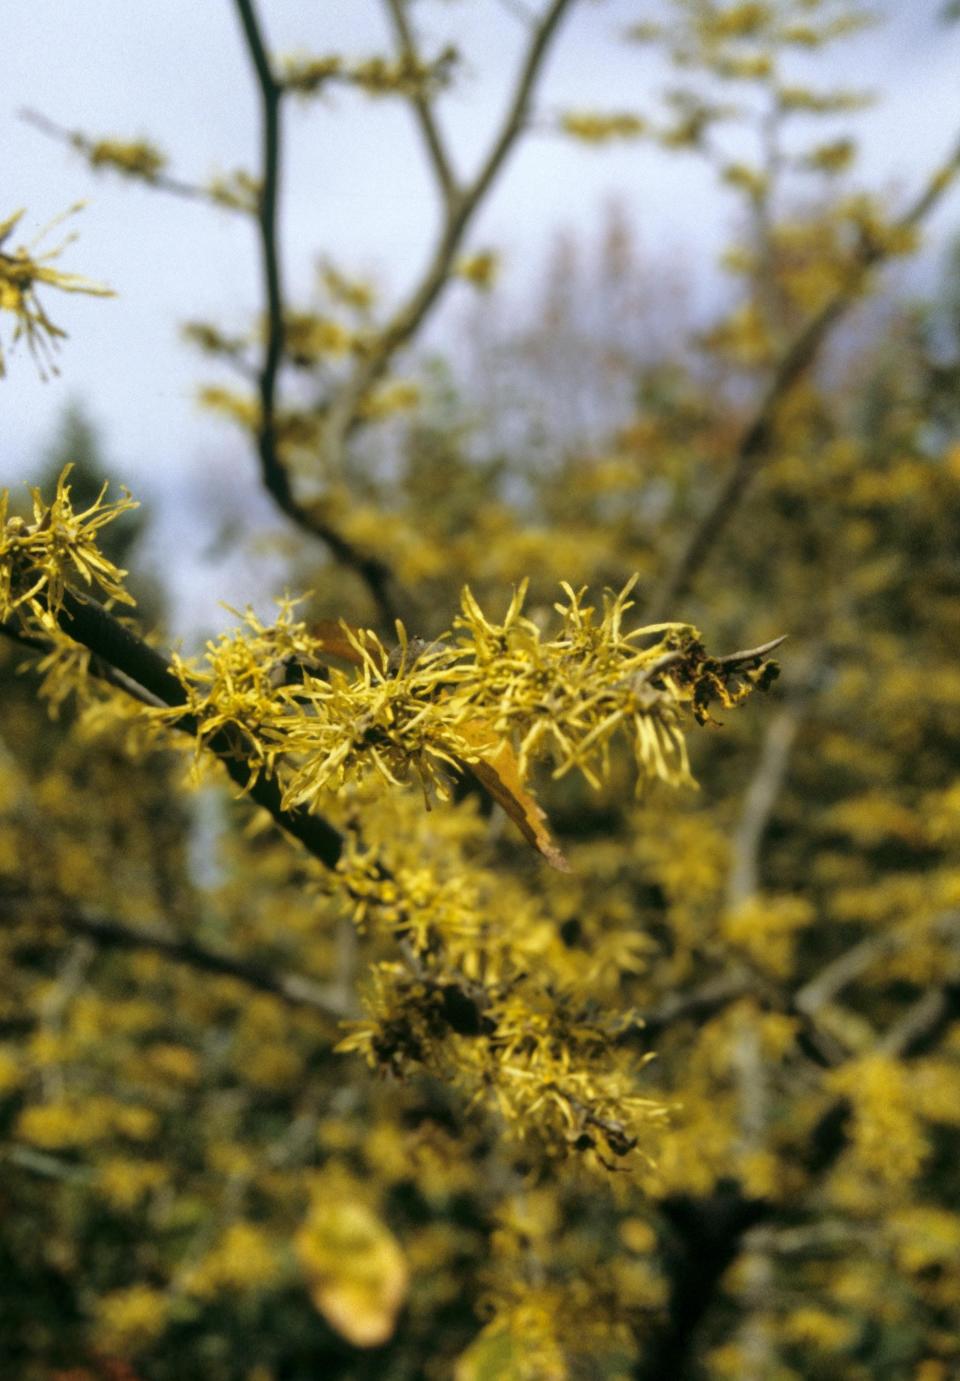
355,182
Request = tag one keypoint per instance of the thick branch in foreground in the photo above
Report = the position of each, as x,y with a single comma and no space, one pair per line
754,446
87,622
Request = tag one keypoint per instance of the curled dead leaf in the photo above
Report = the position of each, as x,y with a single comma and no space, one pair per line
498,772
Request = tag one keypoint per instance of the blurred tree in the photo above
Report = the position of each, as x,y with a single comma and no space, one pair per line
200,1177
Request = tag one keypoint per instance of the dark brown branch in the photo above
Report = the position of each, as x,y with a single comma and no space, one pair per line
292,988
375,574
344,413
755,441
87,622
704,1236
274,472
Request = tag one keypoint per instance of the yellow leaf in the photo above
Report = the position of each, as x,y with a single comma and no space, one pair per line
356,1271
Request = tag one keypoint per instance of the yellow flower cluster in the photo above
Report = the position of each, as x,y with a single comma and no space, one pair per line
417,709
39,560
128,1320
243,1259
136,158
81,1122
20,275
594,127
378,76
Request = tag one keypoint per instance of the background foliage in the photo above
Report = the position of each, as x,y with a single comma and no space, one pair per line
689,1108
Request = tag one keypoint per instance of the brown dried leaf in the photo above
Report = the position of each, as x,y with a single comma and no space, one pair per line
334,639
497,771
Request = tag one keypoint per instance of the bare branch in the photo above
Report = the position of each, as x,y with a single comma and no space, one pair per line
423,109
519,11
344,413
375,574
923,1023
88,623
831,980
162,181
758,804
721,991
754,445
292,988
752,654
699,1004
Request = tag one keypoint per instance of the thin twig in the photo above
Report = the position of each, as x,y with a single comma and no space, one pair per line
519,11
923,1022
751,654
835,976
344,415
754,445
422,107
162,181
293,988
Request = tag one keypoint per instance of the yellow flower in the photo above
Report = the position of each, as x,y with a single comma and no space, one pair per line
123,1183
480,269
136,158
595,128
39,560
243,1259
11,1073
129,1320
20,274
